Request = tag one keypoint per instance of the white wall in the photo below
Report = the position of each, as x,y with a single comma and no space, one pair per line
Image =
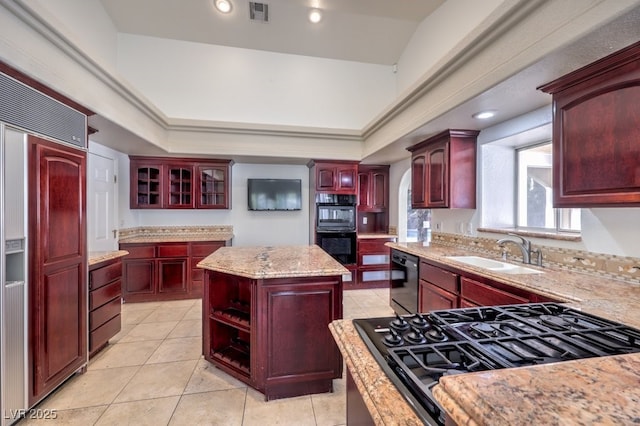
87,23
241,85
438,34
250,227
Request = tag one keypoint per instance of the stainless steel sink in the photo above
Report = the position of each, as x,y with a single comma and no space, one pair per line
494,265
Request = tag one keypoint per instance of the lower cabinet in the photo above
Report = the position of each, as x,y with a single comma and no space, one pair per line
441,288
374,263
105,294
273,334
164,271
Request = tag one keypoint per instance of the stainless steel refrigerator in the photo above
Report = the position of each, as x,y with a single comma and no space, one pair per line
13,274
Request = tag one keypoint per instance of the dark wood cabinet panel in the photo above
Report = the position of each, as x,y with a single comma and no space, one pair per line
357,411
488,295
138,278
439,277
443,170
172,275
433,298
164,271
253,329
373,199
179,183
57,265
335,177
596,128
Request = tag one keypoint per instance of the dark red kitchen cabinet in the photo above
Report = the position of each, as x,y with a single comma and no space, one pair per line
105,294
335,177
443,170
596,133
433,298
255,329
179,183
57,265
164,271
373,188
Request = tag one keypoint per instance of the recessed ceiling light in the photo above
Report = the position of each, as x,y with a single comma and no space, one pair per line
483,115
223,6
315,15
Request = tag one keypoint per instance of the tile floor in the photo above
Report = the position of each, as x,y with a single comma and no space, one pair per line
153,373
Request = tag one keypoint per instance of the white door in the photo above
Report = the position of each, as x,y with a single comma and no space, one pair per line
101,203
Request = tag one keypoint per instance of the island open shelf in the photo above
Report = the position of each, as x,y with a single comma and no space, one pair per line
268,326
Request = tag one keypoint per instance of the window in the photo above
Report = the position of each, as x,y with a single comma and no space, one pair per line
535,193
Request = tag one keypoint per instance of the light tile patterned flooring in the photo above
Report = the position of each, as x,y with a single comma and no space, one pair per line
153,373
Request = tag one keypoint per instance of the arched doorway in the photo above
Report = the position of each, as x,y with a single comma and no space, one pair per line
413,225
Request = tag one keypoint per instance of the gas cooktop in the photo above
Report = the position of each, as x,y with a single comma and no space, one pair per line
416,350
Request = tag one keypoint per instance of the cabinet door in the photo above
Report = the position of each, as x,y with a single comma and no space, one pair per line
138,277
433,298
146,185
212,191
418,180
179,186
57,263
326,178
295,313
379,188
363,191
346,182
172,275
437,176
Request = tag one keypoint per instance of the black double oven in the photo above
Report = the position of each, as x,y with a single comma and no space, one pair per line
336,226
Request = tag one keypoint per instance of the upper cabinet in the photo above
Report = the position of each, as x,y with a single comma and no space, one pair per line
443,170
373,188
596,133
179,183
335,177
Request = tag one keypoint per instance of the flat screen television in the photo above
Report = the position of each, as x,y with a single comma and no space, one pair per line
274,194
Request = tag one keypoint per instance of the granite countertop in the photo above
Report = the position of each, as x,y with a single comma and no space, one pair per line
96,257
168,234
273,262
372,236
598,390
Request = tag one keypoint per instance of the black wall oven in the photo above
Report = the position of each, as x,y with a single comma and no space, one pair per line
340,245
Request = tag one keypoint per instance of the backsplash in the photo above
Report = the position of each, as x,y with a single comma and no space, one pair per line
605,265
148,231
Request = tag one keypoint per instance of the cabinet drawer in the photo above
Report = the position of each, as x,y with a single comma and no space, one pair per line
173,250
104,294
101,335
443,279
204,249
104,313
375,245
485,295
106,274
140,252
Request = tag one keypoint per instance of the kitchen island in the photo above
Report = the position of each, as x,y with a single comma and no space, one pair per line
598,390
265,313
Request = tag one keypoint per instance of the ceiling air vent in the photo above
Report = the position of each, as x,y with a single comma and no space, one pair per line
258,11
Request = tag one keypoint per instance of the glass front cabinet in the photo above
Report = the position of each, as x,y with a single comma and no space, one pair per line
179,183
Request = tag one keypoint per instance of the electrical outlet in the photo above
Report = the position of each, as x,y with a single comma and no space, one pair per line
469,228
438,226
364,220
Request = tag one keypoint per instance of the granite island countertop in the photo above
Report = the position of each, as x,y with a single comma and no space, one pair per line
602,390
273,262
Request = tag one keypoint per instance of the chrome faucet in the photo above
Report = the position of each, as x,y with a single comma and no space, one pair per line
525,247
